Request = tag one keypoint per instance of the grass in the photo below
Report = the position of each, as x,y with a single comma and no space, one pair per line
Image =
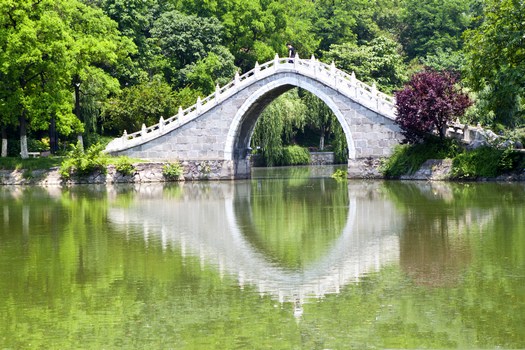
486,162
407,159
483,162
17,163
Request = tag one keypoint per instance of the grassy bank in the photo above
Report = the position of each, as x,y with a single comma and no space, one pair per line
483,162
16,163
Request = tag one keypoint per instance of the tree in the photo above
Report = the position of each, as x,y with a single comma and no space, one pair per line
35,65
186,39
217,68
135,19
253,28
433,24
319,117
428,103
98,48
144,103
48,48
277,126
378,62
496,60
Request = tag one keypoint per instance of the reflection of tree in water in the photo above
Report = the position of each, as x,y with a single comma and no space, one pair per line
434,246
294,221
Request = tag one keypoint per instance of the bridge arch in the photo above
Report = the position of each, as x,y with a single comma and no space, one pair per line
243,123
217,130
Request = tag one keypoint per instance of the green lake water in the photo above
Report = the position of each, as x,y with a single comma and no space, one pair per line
290,259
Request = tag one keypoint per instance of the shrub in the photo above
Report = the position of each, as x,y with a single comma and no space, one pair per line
407,159
82,163
172,171
124,166
485,162
294,155
340,175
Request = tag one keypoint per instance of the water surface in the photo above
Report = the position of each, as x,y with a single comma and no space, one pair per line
290,259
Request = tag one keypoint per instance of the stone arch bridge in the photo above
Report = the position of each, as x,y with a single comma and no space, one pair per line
215,132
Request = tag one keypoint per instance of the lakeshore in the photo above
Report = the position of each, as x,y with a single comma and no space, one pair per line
431,170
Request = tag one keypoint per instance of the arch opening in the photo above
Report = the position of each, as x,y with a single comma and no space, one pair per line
241,130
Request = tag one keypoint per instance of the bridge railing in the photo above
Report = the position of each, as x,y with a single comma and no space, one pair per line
329,75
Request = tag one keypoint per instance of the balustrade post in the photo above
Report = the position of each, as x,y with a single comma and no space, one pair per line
374,95
313,65
466,134
181,113
237,78
296,61
257,69
276,61
353,83
332,73
161,123
125,135
198,105
217,93
143,131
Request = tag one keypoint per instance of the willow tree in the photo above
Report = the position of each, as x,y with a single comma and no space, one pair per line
278,125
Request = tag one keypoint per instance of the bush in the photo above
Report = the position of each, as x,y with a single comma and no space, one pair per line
294,155
407,159
340,175
80,163
485,162
172,171
124,166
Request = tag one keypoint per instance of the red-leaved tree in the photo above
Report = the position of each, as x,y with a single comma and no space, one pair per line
427,103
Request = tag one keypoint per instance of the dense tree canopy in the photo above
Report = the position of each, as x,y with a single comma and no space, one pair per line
72,67
496,59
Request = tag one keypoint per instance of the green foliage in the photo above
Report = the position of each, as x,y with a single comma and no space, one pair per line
406,159
278,122
124,166
294,155
340,174
217,68
66,61
496,60
486,162
48,50
431,25
378,61
340,145
140,104
483,162
12,163
172,171
82,163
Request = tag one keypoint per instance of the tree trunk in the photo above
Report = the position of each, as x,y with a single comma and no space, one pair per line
4,143
321,139
23,136
80,139
53,140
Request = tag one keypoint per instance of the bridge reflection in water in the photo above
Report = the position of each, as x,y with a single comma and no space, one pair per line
203,219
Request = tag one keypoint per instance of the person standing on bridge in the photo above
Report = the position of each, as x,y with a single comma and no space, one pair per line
291,52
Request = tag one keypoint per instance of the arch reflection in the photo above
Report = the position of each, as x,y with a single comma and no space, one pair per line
201,220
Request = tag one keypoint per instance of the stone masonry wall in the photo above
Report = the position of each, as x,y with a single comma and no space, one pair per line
144,172
322,158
